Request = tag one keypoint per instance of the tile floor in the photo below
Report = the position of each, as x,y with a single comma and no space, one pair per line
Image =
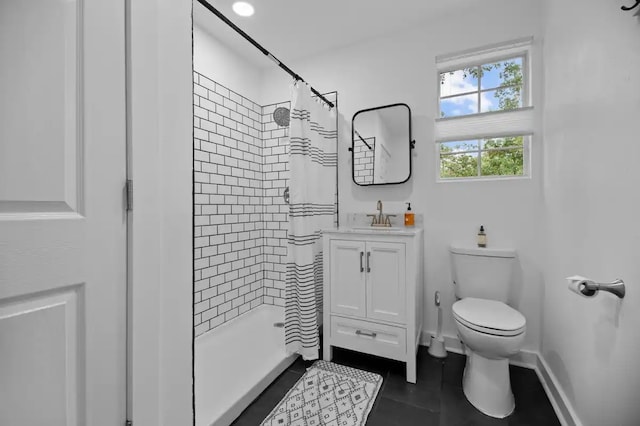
436,399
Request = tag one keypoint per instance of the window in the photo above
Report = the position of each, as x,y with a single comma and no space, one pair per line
483,157
495,86
485,113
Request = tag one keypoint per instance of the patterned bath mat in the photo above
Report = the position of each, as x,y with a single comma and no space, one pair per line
327,394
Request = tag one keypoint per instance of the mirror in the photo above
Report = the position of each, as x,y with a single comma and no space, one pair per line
381,145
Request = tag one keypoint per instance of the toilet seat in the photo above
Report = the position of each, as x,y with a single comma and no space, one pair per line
489,317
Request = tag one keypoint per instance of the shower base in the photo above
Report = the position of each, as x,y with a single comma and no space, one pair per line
235,362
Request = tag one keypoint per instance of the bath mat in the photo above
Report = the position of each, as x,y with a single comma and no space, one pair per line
327,394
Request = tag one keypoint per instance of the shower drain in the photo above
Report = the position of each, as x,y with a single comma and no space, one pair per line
278,324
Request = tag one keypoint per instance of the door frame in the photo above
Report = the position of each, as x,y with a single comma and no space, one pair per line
160,256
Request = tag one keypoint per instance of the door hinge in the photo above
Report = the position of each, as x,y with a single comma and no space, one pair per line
129,190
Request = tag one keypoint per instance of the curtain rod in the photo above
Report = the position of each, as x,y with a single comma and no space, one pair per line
260,48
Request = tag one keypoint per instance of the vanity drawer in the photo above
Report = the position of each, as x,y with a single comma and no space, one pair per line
370,337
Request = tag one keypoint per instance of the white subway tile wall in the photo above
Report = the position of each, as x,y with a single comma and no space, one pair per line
240,172
363,162
276,211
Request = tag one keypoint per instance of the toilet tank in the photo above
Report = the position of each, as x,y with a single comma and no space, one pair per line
485,273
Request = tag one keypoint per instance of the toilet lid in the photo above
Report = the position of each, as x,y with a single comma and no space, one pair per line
489,316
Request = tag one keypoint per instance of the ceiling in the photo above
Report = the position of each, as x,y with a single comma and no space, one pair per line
295,29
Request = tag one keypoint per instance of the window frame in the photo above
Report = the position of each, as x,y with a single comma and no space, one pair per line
526,160
521,48
526,78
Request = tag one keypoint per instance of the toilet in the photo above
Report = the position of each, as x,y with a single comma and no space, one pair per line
490,329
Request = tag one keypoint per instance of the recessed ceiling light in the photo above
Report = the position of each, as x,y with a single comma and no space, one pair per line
243,8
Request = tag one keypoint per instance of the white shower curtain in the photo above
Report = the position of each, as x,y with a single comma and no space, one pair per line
312,206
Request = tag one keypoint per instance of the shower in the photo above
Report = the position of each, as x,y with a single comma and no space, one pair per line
241,222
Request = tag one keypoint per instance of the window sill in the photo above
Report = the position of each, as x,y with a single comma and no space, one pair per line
482,179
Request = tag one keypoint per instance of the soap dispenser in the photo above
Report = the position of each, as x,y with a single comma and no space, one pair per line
482,237
409,217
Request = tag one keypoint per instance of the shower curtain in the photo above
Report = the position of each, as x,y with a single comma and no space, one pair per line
312,206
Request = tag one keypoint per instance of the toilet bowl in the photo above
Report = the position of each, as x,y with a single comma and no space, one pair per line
491,331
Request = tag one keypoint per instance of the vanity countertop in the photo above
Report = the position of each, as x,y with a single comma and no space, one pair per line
368,230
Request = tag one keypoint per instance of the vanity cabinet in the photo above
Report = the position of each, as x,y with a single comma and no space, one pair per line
368,279
373,292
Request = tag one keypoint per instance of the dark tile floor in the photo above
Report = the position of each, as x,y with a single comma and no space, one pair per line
436,399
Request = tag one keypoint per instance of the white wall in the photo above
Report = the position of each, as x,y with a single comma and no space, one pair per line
401,68
592,198
160,129
215,60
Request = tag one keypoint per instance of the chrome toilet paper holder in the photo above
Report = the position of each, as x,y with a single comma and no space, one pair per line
616,287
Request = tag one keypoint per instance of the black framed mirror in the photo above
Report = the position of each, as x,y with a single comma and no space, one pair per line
381,145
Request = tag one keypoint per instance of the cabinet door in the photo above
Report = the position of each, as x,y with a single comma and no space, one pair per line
347,278
386,286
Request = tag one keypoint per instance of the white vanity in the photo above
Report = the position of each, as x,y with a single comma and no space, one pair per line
373,292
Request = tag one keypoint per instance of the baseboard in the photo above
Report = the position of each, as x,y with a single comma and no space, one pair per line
528,359
451,343
561,404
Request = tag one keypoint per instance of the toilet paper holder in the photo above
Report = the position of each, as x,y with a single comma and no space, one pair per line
617,287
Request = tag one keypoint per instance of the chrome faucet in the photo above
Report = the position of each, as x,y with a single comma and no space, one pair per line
380,215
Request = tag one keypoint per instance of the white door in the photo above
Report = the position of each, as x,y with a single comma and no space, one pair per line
62,221
386,283
347,278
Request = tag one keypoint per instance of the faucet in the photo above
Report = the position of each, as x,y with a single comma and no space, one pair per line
381,219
